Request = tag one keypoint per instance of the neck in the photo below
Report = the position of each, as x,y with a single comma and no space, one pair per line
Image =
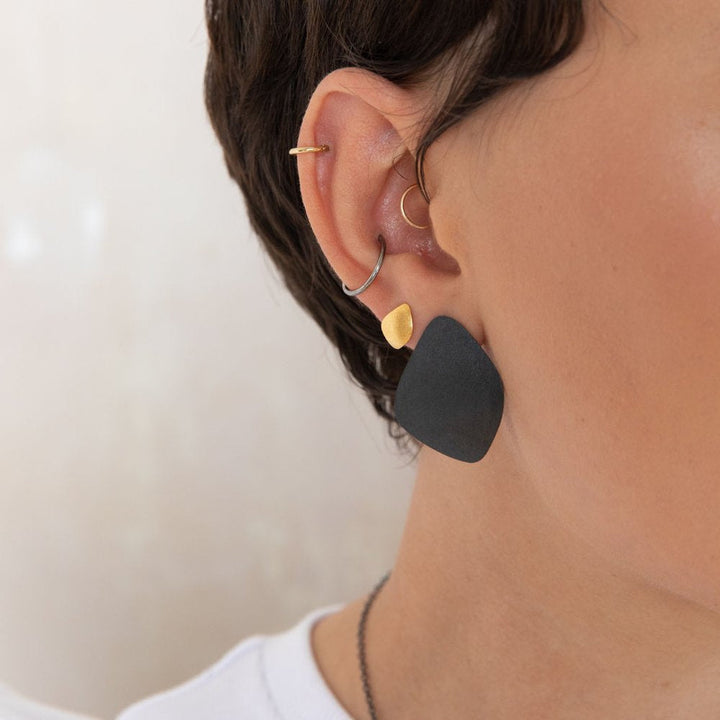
495,608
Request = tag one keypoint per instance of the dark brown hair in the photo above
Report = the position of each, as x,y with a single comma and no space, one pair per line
265,59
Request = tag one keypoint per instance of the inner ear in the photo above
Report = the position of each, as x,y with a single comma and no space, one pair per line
401,192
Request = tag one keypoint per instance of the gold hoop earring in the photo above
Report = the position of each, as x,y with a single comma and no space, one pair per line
308,149
404,214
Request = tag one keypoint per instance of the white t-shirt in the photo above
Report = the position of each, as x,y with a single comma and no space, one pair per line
264,677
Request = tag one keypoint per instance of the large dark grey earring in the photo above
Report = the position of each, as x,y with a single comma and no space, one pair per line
450,396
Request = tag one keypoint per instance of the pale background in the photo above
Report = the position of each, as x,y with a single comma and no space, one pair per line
183,461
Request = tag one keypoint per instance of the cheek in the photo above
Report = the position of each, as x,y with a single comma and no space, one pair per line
605,321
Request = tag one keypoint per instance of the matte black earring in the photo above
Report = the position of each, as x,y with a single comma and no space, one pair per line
450,395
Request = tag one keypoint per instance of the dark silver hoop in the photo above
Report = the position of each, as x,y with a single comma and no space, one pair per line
374,273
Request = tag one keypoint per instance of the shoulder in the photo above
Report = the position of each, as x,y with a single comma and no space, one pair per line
233,684
14,706
255,680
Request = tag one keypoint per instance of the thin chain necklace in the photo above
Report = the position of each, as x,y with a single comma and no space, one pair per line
361,645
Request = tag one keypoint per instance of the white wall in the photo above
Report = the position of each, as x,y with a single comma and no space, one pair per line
182,459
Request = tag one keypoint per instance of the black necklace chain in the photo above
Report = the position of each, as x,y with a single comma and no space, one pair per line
361,645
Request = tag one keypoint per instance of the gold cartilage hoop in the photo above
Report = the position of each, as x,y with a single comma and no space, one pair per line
308,149
404,214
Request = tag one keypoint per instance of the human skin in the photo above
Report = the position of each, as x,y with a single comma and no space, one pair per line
574,572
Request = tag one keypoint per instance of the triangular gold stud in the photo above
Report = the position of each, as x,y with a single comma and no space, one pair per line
397,326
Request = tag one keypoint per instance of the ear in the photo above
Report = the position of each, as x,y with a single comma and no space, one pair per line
352,194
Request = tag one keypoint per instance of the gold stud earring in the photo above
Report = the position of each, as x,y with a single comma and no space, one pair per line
397,326
404,214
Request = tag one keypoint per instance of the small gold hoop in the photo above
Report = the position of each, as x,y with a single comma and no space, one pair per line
308,149
404,214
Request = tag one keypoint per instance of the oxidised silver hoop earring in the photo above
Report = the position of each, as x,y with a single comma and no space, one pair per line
373,275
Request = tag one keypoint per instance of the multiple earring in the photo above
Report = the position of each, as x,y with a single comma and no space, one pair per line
450,395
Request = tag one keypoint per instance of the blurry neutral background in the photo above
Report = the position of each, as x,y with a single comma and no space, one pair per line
183,461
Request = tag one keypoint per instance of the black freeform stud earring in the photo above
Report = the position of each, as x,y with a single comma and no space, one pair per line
450,395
